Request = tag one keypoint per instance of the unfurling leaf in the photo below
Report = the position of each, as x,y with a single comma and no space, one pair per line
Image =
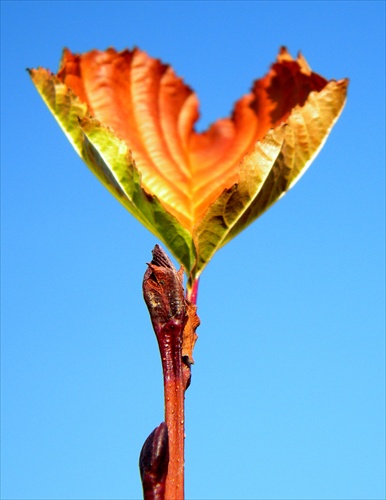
132,120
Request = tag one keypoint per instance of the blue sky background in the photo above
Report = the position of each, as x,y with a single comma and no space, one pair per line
288,393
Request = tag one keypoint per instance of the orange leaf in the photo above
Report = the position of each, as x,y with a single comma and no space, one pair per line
213,183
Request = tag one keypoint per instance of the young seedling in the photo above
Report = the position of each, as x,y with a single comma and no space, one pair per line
132,119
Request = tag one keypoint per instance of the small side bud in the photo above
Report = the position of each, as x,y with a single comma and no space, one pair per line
153,463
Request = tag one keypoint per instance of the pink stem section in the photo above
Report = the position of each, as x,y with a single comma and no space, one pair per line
192,293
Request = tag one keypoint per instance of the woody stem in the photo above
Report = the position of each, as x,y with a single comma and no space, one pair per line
164,296
174,394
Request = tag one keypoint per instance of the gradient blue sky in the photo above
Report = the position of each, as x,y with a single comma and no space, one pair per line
288,393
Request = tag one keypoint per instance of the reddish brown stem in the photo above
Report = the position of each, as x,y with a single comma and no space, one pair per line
164,296
174,393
